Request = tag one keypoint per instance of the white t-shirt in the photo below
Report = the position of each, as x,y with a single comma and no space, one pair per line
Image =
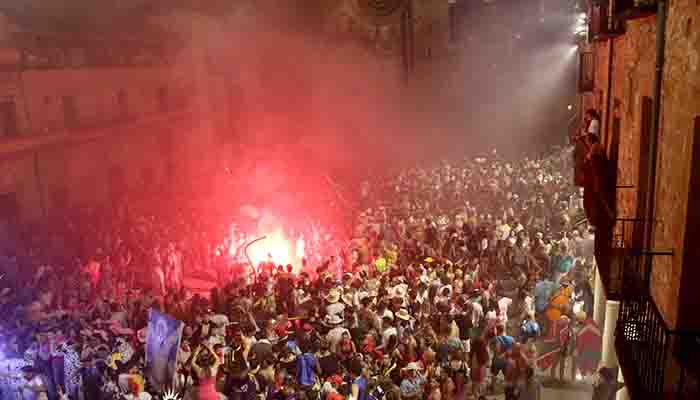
141,396
335,335
529,304
387,334
504,303
477,313
335,308
594,127
29,393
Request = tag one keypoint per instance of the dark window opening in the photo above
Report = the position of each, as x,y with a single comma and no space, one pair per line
613,152
452,10
148,178
163,101
8,118
123,104
59,199
643,167
586,72
116,177
70,112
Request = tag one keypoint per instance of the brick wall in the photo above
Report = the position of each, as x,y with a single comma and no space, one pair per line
634,81
676,278
633,69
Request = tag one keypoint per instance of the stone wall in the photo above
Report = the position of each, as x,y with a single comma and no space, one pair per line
82,168
95,92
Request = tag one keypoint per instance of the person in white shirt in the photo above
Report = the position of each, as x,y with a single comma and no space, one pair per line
335,335
477,313
593,120
33,387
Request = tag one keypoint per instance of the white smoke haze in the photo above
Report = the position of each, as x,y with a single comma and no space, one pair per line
338,101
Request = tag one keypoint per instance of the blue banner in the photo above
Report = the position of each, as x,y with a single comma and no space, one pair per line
162,346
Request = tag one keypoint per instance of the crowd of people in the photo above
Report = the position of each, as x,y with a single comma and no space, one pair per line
450,279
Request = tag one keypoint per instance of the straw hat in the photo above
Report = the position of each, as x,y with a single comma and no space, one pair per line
388,315
414,366
581,316
347,299
399,291
333,296
403,314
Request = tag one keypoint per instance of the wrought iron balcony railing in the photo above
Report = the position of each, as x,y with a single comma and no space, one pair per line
632,9
657,362
603,23
621,262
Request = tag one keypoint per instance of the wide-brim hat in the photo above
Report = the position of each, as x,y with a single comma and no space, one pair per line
414,366
403,314
581,316
388,315
333,296
372,285
347,299
399,291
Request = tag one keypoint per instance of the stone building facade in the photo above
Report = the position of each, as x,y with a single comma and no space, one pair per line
75,132
624,70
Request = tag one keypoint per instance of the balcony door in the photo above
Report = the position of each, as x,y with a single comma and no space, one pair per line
613,156
643,168
70,112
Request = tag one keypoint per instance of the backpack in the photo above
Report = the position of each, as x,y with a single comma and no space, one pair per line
530,328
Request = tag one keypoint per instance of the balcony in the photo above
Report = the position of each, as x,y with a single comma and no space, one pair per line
87,132
621,263
603,23
657,362
633,9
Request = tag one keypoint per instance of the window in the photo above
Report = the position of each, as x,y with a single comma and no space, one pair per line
59,199
122,104
452,11
163,102
8,118
614,148
586,70
70,112
148,177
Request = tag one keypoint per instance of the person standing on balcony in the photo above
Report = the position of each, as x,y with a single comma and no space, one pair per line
590,125
599,194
